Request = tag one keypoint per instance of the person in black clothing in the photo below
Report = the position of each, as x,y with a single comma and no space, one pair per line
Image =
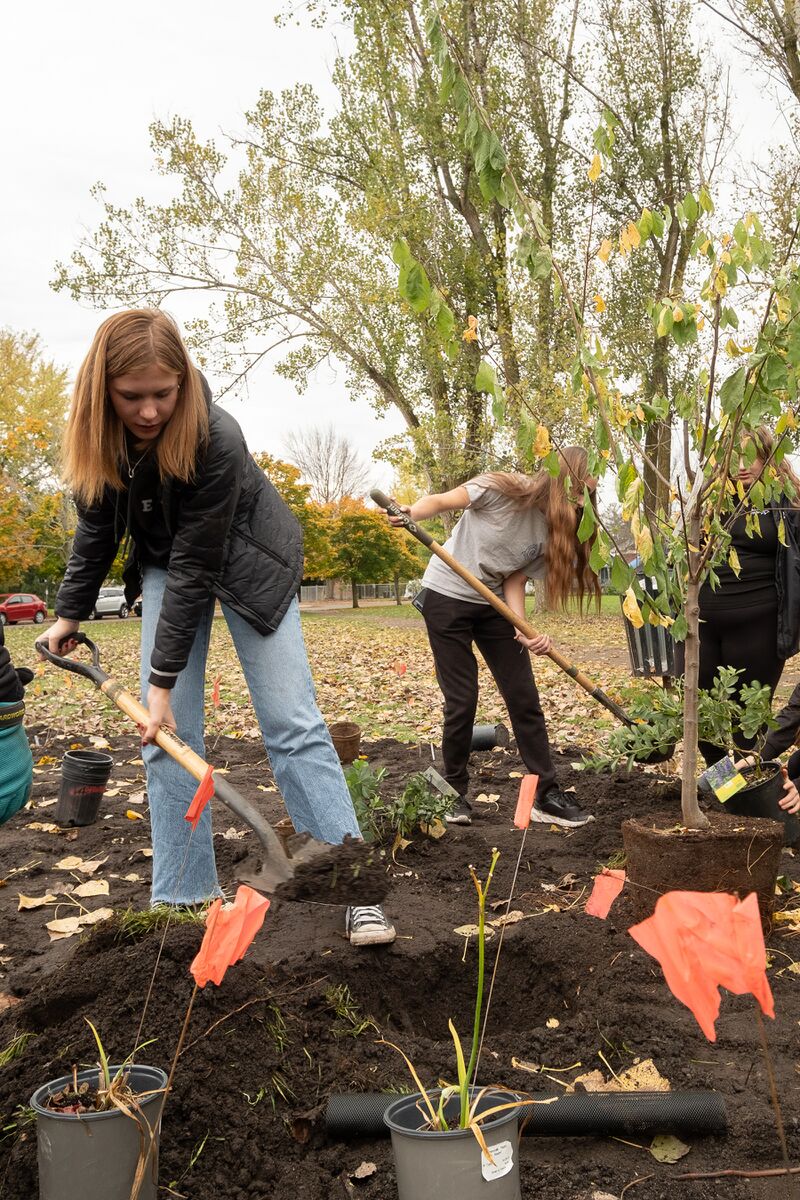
751,619
16,761
148,454
514,527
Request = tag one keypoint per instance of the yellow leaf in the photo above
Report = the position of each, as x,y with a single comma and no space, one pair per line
541,443
599,304
552,1023
677,313
782,532
604,253
26,902
644,545
595,169
630,607
132,815
634,236
733,562
92,887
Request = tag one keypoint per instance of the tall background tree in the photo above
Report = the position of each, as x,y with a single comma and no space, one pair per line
328,463
35,516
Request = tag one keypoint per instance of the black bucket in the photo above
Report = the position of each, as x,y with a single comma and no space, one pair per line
84,775
761,800
488,737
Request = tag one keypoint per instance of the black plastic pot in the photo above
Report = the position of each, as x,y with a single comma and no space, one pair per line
487,737
760,799
583,1114
449,1165
84,775
94,1156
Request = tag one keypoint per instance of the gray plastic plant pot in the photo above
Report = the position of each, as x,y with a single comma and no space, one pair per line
489,737
450,1165
94,1156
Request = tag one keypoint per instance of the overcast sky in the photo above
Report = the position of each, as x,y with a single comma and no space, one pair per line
81,83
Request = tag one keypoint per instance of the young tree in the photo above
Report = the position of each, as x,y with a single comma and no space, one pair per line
329,463
365,549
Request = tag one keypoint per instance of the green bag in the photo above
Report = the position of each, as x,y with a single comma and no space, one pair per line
16,760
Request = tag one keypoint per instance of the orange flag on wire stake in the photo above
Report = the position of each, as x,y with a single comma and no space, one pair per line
704,941
229,932
607,886
200,799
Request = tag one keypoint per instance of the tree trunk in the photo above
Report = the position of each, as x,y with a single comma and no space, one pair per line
354,591
693,818
397,598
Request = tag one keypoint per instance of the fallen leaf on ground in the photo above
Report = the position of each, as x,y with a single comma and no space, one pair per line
136,798
92,887
364,1171
73,863
668,1149
435,830
68,926
508,919
473,931
44,827
26,902
133,816
552,1023
99,743
132,878
233,835
7,1001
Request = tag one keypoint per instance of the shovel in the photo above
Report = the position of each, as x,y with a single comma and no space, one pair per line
344,870
662,754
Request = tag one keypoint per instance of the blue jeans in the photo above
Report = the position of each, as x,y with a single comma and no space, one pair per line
304,762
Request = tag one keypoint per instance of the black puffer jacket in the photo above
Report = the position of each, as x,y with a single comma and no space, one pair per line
232,537
787,582
12,682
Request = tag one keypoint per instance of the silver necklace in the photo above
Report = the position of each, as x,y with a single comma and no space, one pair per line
132,468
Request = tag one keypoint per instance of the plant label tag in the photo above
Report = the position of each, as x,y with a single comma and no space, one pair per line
503,1155
435,780
723,779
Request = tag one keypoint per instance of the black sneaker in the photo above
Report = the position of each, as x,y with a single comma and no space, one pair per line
554,808
368,925
460,813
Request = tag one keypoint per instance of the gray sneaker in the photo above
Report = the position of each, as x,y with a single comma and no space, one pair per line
460,813
367,925
554,808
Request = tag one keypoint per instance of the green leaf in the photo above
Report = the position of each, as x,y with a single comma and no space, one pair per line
666,1148
417,288
690,207
621,574
486,378
679,628
401,253
731,393
600,552
588,519
551,464
706,203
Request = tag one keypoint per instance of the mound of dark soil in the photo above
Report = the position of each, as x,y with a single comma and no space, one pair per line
299,1018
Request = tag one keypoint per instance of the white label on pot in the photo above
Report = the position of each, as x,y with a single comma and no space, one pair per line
503,1155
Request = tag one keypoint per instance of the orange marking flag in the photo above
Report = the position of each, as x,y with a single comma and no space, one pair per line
200,799
527,795
704,941
607,886
229,932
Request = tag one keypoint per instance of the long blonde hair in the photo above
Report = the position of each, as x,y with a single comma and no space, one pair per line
766,444
559,498
94,438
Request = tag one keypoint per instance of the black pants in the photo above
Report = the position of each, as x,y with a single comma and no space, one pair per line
453,625
744,638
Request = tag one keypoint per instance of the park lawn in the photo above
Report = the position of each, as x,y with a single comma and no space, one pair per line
369,665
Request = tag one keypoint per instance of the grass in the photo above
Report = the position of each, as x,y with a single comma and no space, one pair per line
351,1022
136,923
15,1048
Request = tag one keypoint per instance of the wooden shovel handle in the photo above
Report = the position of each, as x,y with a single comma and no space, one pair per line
168,741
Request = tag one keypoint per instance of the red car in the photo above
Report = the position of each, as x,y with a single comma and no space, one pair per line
21,606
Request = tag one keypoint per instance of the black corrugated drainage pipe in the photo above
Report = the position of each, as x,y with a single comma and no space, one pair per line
576,1115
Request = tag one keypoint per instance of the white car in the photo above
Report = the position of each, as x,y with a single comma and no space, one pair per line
110,603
